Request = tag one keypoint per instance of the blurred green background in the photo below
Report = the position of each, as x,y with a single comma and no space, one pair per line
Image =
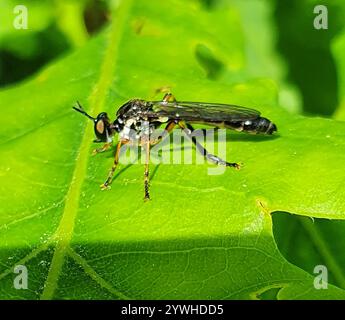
281,44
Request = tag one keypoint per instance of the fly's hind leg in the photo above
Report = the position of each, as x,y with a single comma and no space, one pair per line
147,171
169,97
188,129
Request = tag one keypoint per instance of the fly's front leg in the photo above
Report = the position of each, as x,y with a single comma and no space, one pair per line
107,182
105,147
188,129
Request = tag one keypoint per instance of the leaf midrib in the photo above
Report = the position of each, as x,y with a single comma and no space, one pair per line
97,98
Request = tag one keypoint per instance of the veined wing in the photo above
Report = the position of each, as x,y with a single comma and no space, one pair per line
201,111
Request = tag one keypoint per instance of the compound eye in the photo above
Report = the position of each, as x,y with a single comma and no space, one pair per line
100,126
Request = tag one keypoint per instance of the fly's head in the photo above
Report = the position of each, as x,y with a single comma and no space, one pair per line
104,129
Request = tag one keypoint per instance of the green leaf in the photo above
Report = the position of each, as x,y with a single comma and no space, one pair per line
307,51
309,242
201,236
40,15
22,41
338,53
261,56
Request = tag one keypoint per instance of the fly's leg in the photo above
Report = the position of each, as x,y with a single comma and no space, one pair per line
105,147
188,129
150,142
147,171
107,182
169,127
162,89
169,97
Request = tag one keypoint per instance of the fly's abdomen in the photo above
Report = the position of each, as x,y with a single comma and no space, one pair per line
259,125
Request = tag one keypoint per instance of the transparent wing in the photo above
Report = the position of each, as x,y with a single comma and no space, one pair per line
200,111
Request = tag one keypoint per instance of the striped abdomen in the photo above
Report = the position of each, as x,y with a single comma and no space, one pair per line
259,125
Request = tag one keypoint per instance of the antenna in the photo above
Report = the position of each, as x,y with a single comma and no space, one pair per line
82,111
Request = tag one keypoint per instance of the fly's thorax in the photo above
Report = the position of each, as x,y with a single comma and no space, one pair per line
118,124
125,133
134,128
132,114
132,108
132,119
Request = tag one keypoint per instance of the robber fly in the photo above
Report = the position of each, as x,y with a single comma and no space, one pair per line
143,117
